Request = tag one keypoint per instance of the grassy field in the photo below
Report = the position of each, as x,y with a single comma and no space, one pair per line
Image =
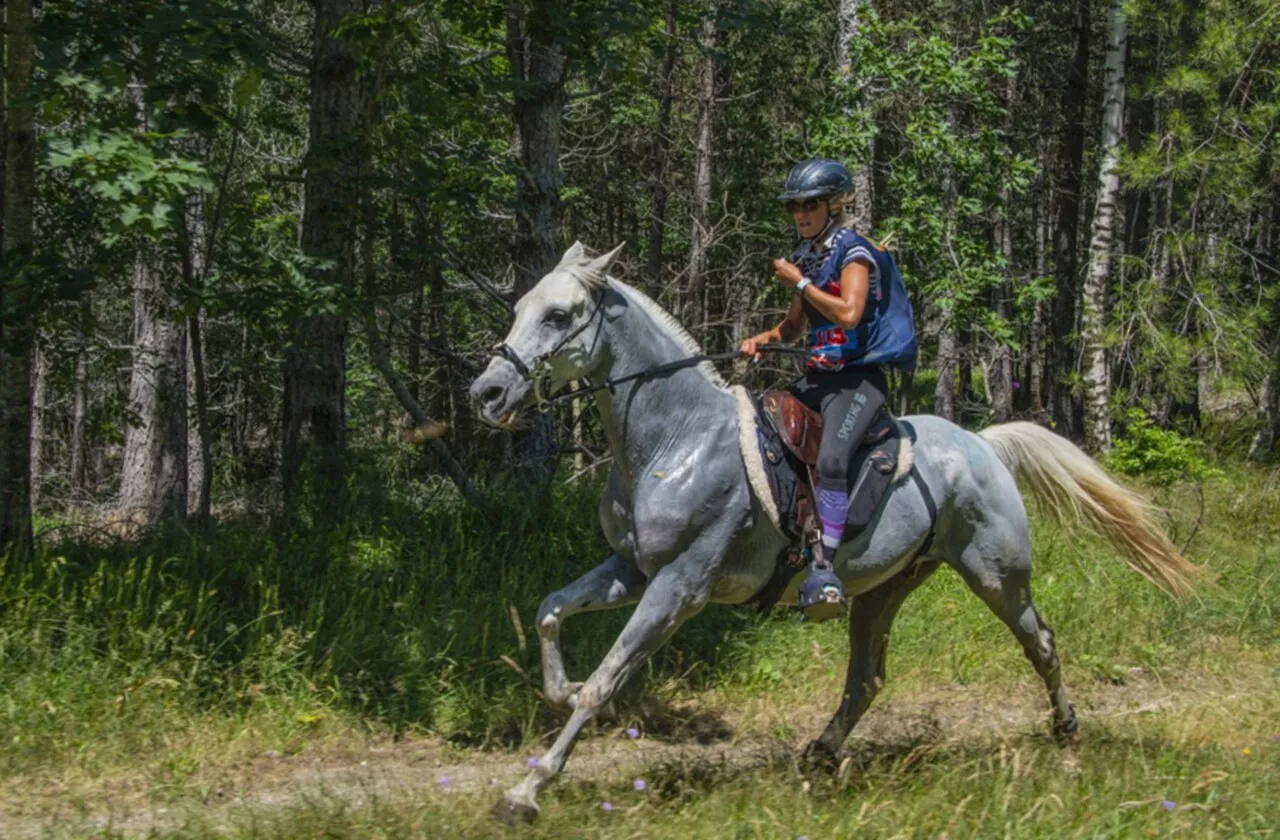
173,675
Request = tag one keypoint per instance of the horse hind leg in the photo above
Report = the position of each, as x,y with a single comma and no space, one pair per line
1006,589
870,617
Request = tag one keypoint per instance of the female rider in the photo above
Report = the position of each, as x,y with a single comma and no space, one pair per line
851,296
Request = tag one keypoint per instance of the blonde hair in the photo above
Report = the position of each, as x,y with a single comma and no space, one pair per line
844,215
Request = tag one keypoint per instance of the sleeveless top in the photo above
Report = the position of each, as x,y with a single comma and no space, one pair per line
886,335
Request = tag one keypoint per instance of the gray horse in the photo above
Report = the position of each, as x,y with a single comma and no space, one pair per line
690,523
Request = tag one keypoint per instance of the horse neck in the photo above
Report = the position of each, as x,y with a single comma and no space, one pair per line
643,416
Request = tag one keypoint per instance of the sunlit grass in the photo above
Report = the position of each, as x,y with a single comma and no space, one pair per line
160,666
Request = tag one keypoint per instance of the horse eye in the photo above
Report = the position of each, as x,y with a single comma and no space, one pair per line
557,318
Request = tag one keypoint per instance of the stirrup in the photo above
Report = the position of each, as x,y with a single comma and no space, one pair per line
821,594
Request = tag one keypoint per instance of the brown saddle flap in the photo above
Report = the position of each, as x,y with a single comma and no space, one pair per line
799,425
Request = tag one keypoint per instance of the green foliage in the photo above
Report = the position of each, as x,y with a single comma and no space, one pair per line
1161,454
956,169
144,187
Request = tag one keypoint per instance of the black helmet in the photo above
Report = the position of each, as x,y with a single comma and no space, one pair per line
816,178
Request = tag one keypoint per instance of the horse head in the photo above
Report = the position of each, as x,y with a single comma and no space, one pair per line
558,335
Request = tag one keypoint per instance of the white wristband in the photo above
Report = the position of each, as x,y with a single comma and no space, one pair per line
804,283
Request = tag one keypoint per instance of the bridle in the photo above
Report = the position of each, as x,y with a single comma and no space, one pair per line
537,371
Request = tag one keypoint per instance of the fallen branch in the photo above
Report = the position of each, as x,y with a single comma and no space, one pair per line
382,361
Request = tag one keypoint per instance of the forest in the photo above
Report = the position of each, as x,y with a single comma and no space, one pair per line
256,251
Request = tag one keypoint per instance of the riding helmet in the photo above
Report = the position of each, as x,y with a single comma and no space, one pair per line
816,178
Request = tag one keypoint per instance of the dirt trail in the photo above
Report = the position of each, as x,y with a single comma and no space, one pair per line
401,772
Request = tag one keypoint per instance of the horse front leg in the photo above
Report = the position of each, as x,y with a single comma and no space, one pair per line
673,596
616,582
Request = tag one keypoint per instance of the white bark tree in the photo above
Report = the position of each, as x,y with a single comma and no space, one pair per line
1093,320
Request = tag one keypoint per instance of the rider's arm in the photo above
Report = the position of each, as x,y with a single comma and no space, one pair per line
846,310
788,329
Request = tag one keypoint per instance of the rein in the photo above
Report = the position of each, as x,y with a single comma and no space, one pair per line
662,370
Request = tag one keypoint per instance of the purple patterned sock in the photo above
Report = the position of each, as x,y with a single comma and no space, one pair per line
832,507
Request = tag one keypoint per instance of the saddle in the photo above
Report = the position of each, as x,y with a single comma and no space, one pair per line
789,433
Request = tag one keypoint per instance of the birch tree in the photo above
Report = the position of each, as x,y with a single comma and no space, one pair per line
1097,385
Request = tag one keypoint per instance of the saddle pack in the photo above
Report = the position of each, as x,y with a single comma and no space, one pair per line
788,433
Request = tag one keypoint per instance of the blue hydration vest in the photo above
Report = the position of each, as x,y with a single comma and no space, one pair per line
886,335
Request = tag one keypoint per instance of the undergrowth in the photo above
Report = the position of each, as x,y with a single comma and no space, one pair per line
180,648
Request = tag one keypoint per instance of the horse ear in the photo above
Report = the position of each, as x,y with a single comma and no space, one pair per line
575,253
601,264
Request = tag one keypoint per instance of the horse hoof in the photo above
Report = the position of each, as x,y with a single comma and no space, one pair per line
1065,730
510,812
818,756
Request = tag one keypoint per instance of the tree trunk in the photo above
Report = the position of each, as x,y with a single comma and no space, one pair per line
1268,249
315,361
79,478
16,302
416,314
848,25
538,68
999,370
695,311
661,158
1037,362
944,392
1097,384
39,396
199,455
153,481
1068,189
1268,413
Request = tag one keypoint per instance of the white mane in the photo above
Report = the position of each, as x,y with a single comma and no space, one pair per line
584,269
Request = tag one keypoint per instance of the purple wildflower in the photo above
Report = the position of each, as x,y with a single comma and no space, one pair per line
444,781
1168,805
606,806
640,784
633,733
532,762
1016,384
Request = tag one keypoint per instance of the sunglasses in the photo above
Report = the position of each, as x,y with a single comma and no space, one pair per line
809,205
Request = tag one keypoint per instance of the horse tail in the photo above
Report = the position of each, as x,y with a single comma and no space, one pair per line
1075,488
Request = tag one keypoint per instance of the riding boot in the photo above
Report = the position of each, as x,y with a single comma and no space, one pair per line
821,595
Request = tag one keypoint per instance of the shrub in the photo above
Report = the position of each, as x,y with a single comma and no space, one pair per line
1161,454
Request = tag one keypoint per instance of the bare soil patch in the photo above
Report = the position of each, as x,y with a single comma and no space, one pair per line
735,740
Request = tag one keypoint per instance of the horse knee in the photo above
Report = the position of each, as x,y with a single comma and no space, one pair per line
549,613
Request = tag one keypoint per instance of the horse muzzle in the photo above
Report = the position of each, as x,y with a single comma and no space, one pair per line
499,393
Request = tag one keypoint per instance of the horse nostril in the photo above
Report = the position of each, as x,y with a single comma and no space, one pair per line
491,395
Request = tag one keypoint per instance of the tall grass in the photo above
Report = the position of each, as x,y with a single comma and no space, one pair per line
403,617
395,618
